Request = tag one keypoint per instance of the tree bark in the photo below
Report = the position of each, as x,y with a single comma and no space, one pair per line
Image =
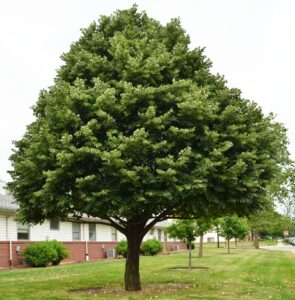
217,231
228,247
189,255
256,239
201,246
132,277
236,242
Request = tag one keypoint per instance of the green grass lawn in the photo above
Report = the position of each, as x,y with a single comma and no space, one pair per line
243,274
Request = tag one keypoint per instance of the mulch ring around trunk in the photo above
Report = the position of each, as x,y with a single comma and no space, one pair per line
146,289
198,268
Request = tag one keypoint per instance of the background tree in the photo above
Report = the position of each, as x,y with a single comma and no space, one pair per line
202,226
285,199
136,130
233,227
242,230
217,224
268,221
185,230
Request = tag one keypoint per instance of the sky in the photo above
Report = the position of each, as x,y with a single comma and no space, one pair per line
250,42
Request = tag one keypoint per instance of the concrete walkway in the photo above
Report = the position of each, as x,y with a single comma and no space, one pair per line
280,247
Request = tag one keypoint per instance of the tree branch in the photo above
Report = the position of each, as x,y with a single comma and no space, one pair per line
161,217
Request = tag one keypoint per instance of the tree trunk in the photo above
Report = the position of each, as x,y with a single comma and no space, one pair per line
236,242
228,248
189,255
132,277
201,246
217,231
256,239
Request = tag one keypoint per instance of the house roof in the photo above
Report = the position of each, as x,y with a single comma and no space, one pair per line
7,202
161,224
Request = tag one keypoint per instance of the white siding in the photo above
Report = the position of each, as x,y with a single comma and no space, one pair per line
150,236
2,228
103,233
12,228
43,232
10,233
211,235
121,236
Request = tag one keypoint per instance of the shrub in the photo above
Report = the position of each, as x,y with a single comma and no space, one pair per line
41,254
121,248
61,252
151,247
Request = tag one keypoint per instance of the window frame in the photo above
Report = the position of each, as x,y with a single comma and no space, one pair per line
75,232
159,235
92,231
52,227
114,234
26,230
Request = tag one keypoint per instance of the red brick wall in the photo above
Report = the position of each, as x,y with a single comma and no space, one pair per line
96,250
168,246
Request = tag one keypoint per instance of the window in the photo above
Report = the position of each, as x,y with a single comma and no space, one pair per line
76,229
114,234
54,225
159,234
152,231
23,231
210,239
92,232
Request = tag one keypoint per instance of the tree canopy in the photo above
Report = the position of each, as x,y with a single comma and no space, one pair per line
269,222
233,227
188,230
136,129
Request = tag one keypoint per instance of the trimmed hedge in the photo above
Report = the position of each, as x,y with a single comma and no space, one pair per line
41,254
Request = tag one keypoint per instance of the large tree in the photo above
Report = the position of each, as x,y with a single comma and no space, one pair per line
136,129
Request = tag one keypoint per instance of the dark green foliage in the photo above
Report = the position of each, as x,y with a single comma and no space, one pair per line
41,254
133,107
192,246
121,248
151,247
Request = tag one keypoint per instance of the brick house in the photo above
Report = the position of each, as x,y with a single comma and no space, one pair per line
85,239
